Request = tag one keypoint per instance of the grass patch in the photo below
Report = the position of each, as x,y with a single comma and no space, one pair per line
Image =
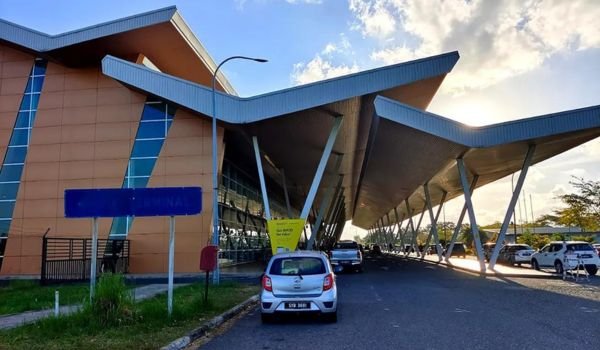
144,325
21,296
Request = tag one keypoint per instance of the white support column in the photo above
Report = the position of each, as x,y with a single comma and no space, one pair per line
261,176
472,220
416,231
434,220
459,222
312,193
511,205
383,232
399,223
390,230
410,225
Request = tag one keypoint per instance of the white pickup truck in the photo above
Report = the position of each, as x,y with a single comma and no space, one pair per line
347,255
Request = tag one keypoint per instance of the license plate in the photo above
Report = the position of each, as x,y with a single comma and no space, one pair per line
298,305
345,262
526,254
585,256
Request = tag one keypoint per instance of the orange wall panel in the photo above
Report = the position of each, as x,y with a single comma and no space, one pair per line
82,138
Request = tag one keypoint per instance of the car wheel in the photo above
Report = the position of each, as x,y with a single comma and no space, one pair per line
511,261
591,270
330,317
266,318
535,265
519,264
558,267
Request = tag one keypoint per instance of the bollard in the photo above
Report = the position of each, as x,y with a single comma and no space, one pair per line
56,303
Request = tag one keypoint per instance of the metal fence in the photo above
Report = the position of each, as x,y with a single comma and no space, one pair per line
70,259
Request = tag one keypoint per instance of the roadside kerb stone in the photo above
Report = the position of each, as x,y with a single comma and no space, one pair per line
199,332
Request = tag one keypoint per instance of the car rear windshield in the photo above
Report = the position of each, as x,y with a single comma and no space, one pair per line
297,266
579,246
346,245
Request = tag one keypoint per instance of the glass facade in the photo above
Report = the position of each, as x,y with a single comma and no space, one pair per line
242,231
152,131
16,153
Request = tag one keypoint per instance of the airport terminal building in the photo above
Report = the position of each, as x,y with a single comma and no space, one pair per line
128,104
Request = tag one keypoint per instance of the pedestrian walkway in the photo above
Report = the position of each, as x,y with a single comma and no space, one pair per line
12,321
471,264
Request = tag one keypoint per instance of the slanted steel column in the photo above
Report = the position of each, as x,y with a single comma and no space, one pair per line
399,223
474,229
325,204
415,244
383,232
511,205
312,193
460,220
390,230
433,220
261,176
333,216
287,197
338,211
333,211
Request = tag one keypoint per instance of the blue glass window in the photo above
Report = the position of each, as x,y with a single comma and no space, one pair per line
146,148
141,167
155,122
4,226
8,190
23,119
10,173
16,153
20,137
30,102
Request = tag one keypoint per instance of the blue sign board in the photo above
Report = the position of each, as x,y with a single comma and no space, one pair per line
112,202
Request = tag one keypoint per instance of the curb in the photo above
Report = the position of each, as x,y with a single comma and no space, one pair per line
199,332
498,275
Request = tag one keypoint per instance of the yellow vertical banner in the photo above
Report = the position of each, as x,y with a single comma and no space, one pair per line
284,234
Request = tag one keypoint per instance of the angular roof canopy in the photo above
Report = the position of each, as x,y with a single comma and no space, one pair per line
389,146
160,35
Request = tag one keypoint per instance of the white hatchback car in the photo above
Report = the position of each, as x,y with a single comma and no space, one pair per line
299,282
553,255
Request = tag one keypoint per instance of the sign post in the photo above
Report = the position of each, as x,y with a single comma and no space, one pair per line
113,202
94,256
171,263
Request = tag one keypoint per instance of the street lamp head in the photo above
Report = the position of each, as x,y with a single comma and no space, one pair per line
261,60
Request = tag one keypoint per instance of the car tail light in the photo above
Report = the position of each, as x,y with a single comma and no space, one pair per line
328,282
266,283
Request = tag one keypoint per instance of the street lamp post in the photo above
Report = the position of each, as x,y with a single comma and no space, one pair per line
215,181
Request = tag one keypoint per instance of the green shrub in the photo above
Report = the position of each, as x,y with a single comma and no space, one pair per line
113,303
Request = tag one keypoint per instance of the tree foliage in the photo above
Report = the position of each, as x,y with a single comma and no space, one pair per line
583,207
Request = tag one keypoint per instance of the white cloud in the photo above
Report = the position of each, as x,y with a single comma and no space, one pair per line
374,18
321,66
319,69
497,39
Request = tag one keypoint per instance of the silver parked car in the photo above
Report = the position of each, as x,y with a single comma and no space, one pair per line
298,282
512,254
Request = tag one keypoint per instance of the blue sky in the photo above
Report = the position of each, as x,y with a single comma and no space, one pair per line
518,58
